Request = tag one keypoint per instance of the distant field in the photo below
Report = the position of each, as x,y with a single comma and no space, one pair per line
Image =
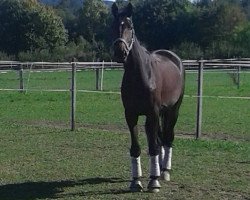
222,118
41,159
215,83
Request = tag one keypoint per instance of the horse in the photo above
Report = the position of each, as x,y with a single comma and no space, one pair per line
153,86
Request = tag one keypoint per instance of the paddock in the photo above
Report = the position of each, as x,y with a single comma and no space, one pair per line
42,158
209,82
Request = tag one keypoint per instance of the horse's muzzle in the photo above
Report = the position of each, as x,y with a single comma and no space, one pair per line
120,53
120,58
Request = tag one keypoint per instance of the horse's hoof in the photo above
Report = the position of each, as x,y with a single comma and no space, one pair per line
154,190
165,175
154,186
136,186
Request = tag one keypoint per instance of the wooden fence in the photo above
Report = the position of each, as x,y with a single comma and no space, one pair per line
99,67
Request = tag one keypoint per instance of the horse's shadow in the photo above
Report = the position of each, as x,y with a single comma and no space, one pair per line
54,189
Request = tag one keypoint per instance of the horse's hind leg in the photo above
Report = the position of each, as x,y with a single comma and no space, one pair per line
135,152
169,119
160,139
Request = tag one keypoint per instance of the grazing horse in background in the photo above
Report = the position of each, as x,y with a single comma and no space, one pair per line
152,85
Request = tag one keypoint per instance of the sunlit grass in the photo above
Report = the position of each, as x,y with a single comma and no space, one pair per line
229,117
49,163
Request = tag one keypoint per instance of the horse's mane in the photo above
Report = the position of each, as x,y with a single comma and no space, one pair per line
162,52
143,46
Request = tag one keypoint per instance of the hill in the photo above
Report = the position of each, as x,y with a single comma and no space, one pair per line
73,3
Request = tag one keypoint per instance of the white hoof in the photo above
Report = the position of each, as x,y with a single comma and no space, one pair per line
154,186
154,190
165,175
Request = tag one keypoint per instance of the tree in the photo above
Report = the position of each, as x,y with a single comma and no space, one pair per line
27,25
215,23
204,3
241,39
165,22
93,23
67,10
93,19
229,17
246,7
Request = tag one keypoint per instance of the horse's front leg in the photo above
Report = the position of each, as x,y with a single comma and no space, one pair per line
135,151
152,128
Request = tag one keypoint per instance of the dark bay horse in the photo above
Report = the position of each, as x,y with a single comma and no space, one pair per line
152,85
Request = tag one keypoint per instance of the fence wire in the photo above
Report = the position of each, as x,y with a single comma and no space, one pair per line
226,98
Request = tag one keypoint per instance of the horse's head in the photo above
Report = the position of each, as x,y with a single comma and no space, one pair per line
123,32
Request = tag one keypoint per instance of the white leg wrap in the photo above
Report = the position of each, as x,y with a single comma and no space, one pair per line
136,167
168,158
162,155
154,166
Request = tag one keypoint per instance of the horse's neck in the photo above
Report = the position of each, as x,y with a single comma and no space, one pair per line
139,63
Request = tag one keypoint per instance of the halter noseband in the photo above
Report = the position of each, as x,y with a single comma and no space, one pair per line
128,46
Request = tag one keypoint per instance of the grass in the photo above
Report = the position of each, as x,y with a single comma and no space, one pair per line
41,159
227,118
54,163
215,84
222,118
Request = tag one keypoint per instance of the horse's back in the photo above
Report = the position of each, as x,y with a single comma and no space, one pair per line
166,55
171,76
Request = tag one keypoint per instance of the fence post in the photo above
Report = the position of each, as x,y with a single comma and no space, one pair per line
199,100
73,94
21,85
97,82
102,75
238,77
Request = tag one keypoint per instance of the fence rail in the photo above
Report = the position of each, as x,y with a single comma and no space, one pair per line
189,64
195,65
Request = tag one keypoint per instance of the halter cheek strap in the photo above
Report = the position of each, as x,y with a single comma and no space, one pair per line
128,47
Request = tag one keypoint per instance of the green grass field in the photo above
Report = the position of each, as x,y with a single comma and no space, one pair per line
41,159
54,163
222,118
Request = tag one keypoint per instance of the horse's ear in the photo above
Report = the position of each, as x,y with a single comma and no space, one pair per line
114,10
129,10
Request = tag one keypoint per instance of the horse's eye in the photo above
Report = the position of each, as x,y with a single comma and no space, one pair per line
130,26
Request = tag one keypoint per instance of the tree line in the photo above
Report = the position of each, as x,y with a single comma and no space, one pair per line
31,31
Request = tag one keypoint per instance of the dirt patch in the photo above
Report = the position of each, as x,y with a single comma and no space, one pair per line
123,129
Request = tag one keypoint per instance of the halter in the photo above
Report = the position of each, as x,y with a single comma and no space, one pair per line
128,46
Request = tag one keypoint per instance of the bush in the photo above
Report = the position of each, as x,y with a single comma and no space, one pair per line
188,50
81,50
5,57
